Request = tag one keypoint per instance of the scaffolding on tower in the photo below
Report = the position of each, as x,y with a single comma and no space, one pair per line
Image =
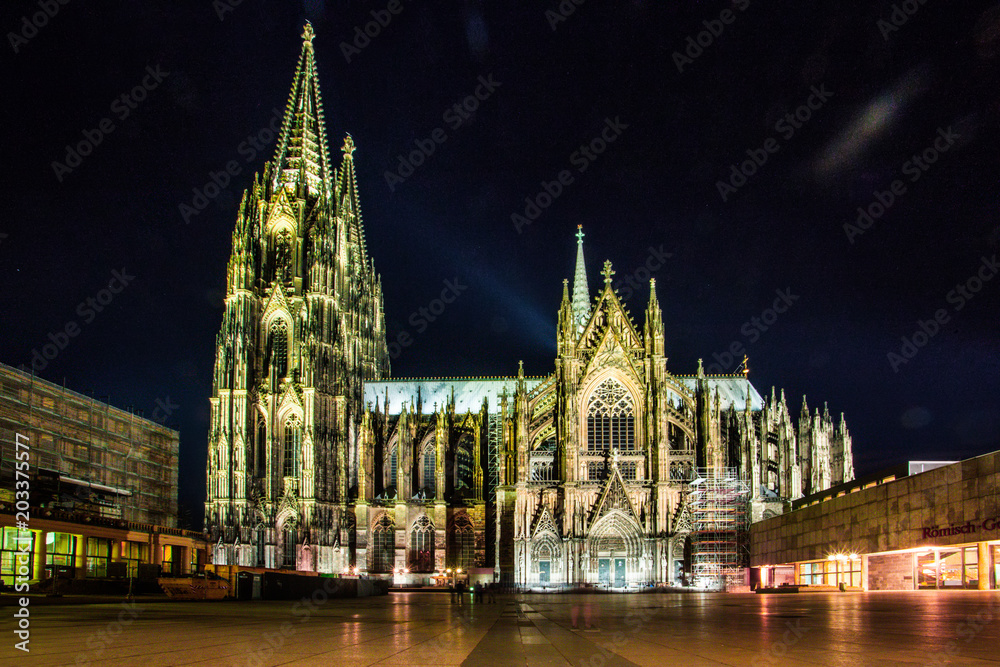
719,502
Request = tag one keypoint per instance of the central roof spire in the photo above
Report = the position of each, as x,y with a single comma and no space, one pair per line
581,293
302,151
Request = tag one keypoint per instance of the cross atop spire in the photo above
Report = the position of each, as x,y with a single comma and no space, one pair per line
302,152
579,234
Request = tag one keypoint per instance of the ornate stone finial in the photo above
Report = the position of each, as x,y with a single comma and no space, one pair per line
307,35
348,146
579,234
607,272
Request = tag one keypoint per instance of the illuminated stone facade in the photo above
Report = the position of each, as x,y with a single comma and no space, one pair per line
318,460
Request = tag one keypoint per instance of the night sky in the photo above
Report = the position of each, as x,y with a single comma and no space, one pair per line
651,114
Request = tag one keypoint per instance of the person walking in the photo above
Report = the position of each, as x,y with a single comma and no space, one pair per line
460,586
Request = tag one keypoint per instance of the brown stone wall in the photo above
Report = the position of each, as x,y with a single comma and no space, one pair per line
891,572
911,512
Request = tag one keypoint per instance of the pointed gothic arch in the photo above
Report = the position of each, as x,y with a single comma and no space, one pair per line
462,542
427,468
421,552
610,410
383,544
291,438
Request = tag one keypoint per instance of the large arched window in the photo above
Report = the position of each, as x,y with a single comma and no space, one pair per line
610,418
277,339
463,467
383,545
462,543
293,446
422,545
428,461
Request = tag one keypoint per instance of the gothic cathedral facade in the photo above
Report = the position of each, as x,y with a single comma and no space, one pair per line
318,461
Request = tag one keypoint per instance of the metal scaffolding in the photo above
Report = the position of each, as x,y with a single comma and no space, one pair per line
719,502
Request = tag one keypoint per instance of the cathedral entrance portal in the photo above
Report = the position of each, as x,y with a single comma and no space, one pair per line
544,570
614,543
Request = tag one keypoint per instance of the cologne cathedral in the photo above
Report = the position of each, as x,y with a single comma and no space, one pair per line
318,461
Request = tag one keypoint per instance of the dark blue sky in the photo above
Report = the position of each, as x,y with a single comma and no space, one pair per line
832,101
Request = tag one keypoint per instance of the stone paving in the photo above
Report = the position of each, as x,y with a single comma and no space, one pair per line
918,628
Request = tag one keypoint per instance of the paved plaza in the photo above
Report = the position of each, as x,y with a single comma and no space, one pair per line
429,629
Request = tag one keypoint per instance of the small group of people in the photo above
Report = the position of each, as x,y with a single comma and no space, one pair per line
480,592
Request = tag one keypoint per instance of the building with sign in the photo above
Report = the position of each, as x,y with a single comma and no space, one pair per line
938,529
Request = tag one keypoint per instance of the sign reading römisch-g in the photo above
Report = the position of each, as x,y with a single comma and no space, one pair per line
967,528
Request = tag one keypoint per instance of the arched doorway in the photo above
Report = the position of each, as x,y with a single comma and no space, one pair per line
615,549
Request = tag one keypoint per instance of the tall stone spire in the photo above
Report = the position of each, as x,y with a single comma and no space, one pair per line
302,155
581,293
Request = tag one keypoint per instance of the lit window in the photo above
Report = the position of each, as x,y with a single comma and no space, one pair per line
610,418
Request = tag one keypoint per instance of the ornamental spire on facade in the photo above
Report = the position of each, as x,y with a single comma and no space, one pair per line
581,293
302,152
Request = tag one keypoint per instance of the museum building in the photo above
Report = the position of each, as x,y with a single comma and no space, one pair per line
938,529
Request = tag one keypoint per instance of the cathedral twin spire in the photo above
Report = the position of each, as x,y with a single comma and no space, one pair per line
302,155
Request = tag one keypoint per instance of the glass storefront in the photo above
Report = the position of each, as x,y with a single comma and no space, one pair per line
98,556
16,541
60,552
832,572
948,568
